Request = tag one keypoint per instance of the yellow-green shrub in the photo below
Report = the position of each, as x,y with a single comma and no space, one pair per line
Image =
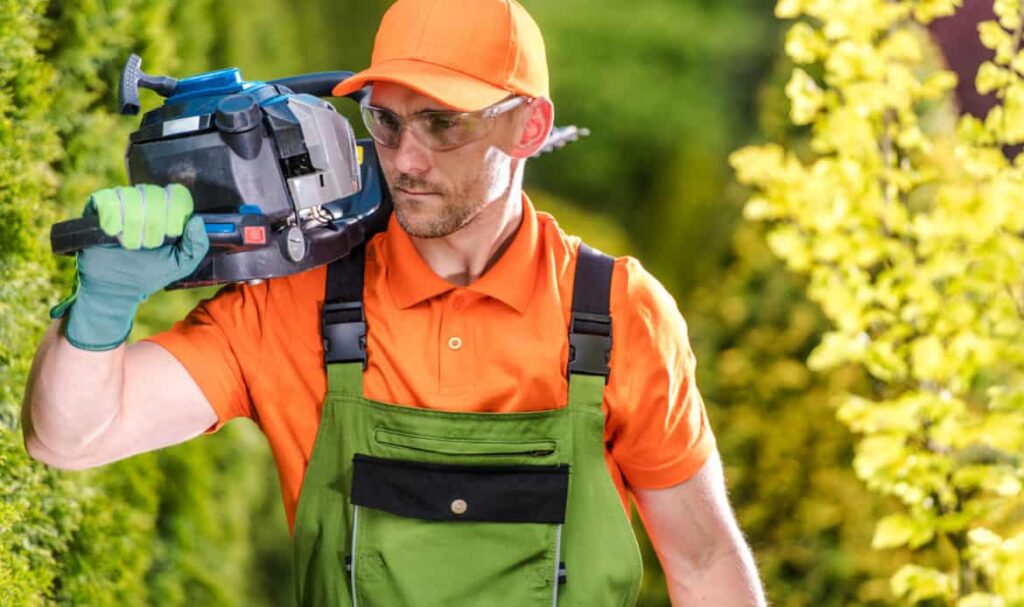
910,236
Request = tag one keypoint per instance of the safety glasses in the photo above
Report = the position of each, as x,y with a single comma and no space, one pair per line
438,130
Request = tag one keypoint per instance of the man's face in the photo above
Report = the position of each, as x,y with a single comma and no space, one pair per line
435,193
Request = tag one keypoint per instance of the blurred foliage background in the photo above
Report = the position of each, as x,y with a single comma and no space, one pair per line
668,89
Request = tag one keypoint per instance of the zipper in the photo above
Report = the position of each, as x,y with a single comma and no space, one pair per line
455,446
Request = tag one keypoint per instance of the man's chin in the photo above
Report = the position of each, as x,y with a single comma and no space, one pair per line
419,227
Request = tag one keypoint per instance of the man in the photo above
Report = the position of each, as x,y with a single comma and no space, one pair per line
477,449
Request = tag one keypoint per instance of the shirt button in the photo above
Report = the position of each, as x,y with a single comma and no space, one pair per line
459,507
455,343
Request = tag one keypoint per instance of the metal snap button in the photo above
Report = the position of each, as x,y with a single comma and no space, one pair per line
459,506
455,343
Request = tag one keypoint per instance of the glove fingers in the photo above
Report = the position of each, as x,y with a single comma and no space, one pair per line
106,204
179,208
154,225
133,212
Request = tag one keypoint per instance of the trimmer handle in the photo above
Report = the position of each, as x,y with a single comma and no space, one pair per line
226,231
319,84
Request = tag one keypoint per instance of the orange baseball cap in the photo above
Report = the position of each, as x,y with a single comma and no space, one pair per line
467,54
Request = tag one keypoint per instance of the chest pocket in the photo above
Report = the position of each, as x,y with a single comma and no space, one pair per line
437,534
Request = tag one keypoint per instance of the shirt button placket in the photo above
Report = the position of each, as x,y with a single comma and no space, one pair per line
455,358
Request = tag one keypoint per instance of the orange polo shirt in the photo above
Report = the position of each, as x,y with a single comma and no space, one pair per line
497,345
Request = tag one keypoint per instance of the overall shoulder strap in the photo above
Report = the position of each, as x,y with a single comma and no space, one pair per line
343,323
590,329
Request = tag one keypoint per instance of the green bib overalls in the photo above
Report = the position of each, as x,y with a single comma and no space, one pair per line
404,506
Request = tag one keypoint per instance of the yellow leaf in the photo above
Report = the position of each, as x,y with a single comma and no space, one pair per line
893,531
758,165
878,453
803,44
901,45
1003,398
1008,12
789,244
992,34
938,84
1013,106
788,9
758,208
926,11
806,98
991,77
928,357
980,599
915,584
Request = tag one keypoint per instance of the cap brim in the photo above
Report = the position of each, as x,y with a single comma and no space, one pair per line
454,89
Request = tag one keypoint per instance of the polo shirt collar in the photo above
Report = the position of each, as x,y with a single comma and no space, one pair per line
510,280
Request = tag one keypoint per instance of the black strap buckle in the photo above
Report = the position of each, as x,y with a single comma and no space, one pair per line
344,332
590,344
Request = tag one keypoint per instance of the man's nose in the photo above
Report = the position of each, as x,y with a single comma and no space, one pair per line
411,156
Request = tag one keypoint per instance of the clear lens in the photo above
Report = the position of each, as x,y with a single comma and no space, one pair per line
446,130
384,126
438,130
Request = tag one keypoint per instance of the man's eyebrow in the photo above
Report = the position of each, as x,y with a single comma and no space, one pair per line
426,110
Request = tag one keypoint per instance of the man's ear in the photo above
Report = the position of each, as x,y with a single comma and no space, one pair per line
540,118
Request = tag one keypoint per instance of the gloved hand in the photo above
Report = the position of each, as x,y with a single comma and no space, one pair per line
113,279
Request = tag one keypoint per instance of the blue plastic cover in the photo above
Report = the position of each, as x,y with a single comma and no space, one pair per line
220,228
220,82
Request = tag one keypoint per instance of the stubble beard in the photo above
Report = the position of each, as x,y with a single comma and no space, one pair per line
458,210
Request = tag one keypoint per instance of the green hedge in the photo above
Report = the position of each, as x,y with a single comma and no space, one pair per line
169,528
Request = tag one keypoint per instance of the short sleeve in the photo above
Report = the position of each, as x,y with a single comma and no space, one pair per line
219,345
657,428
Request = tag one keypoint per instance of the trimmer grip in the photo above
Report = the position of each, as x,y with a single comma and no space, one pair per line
226,231
69,237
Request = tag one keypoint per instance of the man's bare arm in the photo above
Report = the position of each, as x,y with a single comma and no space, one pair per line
700,547
84,409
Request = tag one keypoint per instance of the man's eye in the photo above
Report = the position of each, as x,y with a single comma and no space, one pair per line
440,124
388,120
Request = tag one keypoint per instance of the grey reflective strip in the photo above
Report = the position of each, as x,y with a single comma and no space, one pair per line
145,211
120,202
167,212
355,533
558,558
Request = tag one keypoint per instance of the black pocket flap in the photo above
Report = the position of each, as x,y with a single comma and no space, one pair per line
458,492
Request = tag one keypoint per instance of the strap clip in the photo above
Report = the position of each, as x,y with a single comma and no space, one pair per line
344,332
590,344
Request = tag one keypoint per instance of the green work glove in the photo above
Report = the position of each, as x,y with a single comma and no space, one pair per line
113,279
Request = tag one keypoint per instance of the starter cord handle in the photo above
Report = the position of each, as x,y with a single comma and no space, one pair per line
132,77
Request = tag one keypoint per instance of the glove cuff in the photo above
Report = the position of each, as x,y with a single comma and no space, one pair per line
97,322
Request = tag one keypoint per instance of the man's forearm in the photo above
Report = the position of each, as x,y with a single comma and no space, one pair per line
65,415
727,579
701,549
